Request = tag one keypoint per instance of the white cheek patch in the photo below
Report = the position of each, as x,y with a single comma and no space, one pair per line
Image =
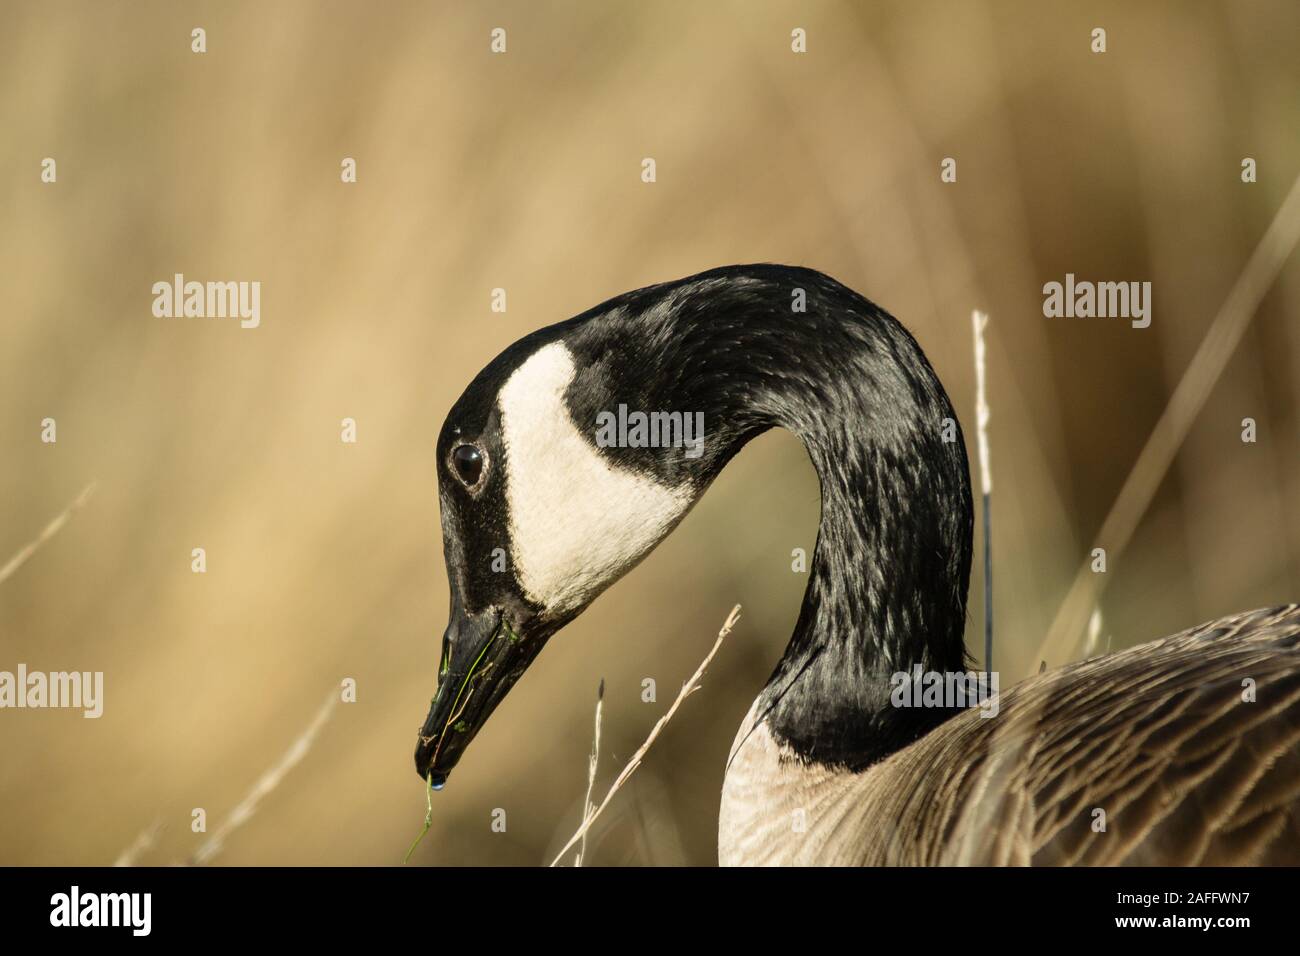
576,522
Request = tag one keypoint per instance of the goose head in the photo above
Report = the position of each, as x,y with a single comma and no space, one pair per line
540,513
578,448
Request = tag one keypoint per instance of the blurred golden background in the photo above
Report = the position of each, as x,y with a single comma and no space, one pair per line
522,171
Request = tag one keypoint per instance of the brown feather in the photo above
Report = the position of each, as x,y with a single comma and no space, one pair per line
1159,737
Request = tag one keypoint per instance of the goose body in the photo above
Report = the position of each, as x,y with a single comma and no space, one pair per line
1157,737
1184,750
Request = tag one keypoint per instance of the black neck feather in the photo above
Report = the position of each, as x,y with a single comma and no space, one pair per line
887,583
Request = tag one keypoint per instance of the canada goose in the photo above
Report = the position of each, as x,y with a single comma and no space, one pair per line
1187,747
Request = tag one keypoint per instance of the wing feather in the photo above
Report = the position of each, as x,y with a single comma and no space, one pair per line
1186,765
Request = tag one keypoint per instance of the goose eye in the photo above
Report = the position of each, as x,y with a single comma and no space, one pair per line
468,462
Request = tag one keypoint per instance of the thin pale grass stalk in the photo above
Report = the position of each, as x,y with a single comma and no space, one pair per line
266,784
1185,404
51,529
690,687
143,844
1094,633
588,807
978,321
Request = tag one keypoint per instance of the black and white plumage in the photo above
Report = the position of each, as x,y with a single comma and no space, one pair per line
1158,737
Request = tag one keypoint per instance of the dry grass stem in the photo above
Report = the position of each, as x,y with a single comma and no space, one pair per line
588,808
267,783
980,320
142,845
51,529
1184,405
690,687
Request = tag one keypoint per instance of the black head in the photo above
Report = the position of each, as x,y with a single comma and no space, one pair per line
541,511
